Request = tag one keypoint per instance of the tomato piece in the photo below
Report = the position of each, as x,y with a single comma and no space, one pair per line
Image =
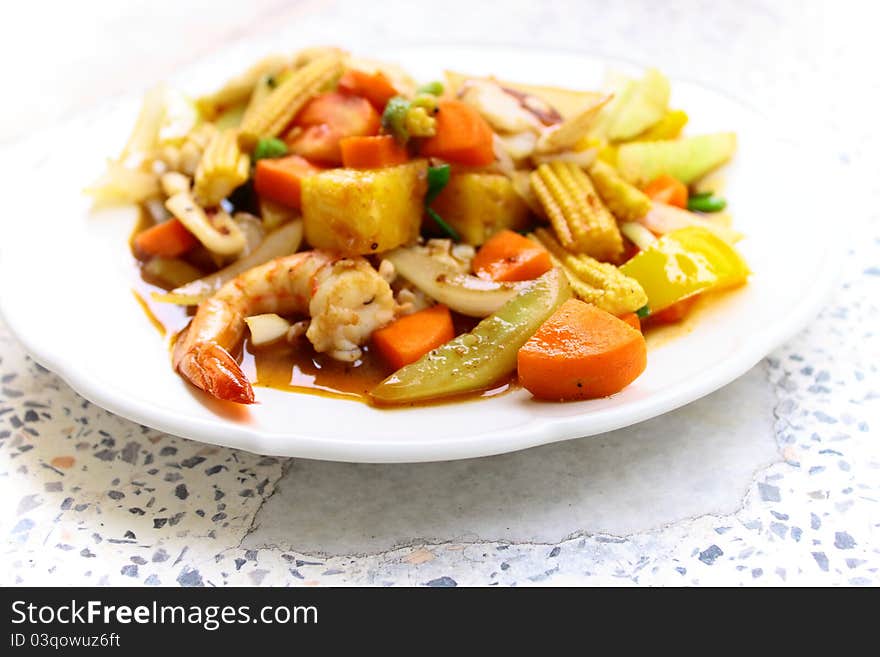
375,87
674,313
325,120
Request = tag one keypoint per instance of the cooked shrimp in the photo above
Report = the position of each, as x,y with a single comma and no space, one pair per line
345,298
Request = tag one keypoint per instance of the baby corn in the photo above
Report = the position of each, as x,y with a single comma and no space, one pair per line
222,168
279,107
599,283
261,91
581,221
239,89
625,201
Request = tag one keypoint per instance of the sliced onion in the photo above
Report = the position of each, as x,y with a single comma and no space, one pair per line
519,145
266,328
663,218
280,242
119,185
463,293
502,110
219,234
253,230
503,160
638,234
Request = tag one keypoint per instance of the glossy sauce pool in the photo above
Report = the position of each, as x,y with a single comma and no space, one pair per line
297,367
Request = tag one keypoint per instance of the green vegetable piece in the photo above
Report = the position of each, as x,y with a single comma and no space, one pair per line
706,202
448,230
643,312
438,178
394,118
434,88
476,360
268,148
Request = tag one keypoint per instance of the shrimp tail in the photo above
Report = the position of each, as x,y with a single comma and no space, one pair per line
210,367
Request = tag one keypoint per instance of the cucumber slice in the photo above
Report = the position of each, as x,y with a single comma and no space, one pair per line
686,159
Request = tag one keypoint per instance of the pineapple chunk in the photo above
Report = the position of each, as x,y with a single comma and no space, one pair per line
362,211
478,205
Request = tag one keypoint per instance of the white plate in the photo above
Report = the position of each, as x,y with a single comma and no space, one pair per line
66,293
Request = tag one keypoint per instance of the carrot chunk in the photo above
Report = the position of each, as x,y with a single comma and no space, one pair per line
168,240
280,179
411,337
581,352
375,87
633,320
669,190
508,256
462,137
372,152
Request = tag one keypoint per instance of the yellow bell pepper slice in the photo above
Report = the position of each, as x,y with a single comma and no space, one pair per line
683,263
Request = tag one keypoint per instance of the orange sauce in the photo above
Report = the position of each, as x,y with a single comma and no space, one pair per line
662,334
168,318
297,367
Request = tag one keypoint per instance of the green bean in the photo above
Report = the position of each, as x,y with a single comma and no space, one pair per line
438,178
448,230
269,148
706,202
434,88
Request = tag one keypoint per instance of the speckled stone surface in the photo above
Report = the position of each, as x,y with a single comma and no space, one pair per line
774,479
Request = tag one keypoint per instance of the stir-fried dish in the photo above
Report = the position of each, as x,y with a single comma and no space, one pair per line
335,215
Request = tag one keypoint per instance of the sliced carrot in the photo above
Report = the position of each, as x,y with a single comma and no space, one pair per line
372,152
375,87
581,352
168,240
280,179
633,320
411,337
508,256
674,313
463,136
669,190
